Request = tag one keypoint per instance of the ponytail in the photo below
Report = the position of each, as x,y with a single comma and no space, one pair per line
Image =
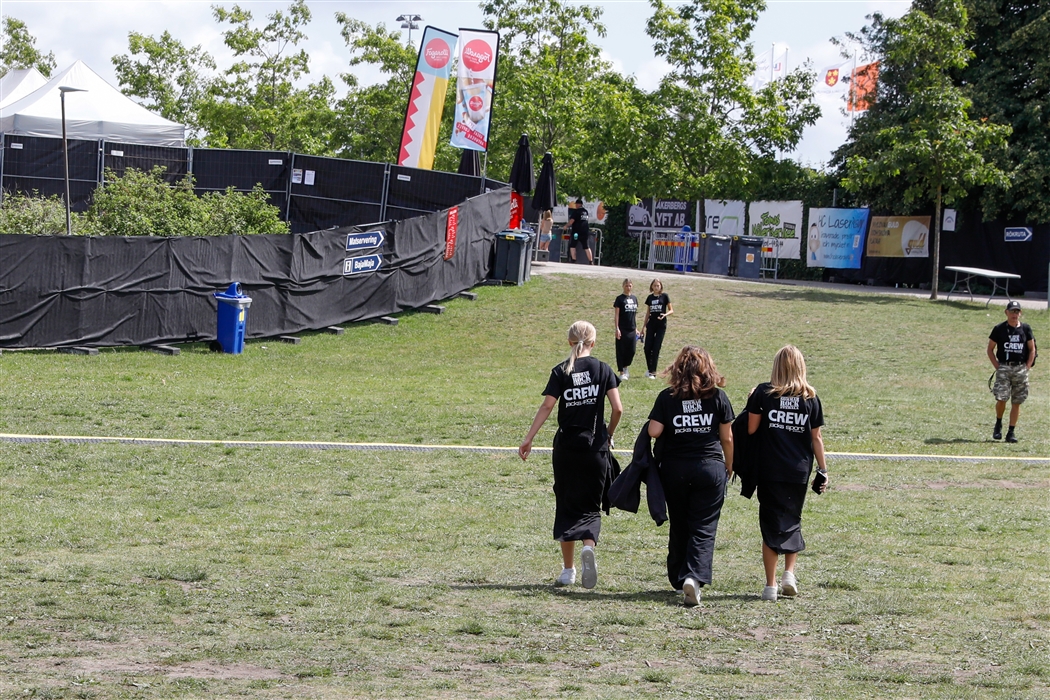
581,335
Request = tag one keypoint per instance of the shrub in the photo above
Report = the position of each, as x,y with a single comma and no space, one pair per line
32,214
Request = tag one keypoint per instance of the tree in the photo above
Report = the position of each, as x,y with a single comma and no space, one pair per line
921,135
18,50
712,125
169,79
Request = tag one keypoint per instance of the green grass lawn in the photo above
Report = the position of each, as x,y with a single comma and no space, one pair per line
199,572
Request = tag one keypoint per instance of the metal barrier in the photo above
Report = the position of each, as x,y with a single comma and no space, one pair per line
669,247
563,239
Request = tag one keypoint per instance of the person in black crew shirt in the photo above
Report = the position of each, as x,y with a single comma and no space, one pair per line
625,313
1011,348
788,413
692,419
579,386
658,308
579,222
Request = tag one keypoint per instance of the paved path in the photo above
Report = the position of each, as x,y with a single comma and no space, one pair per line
553,268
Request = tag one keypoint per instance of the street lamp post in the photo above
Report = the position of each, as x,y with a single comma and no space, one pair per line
409,22
63,89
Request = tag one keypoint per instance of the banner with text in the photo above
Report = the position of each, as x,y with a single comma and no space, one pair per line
899,237
663,213
426,101
780,224
475,86
723,217
836,237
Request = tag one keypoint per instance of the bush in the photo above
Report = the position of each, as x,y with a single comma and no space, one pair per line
32,214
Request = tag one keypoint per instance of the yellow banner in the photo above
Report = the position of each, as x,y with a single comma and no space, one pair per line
899,237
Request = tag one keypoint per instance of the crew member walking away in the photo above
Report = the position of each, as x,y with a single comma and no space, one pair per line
658,308
546,228
579,222
1011,348
579,386
625,314
787,412
692,418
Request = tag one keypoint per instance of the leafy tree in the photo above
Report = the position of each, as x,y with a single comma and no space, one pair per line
169,78
712,125
919,133
18,49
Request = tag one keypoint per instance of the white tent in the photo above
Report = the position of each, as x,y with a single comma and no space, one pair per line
16,84
103,112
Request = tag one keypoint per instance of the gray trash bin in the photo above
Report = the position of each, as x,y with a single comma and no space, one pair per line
714,254
747,257
513,257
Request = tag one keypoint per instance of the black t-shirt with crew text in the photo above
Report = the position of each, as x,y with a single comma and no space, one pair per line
581,402
787,443
1011,343
580,220
628,306
657,304
691,425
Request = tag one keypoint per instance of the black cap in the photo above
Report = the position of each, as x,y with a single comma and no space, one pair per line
579,201
1013,306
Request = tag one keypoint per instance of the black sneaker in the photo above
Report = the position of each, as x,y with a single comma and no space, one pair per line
1010,437
997,433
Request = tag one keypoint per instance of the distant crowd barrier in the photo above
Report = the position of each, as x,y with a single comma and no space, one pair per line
60,291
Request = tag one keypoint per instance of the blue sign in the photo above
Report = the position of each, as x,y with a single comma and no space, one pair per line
363,263
364,241
836,238
1018,234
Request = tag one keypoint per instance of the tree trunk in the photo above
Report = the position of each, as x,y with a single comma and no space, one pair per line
936,245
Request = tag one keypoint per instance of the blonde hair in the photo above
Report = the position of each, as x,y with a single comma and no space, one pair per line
547,215
693,374
627,281
789,374
581,335
656,281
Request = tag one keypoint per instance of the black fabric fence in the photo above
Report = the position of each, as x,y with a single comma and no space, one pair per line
110,291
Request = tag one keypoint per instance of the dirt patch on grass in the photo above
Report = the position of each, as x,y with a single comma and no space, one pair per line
210,670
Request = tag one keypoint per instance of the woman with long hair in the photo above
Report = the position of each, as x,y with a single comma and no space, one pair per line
788,413
579,386
658,308
546,227
692,420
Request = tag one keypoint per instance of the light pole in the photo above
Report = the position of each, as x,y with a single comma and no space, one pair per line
409,22
63,89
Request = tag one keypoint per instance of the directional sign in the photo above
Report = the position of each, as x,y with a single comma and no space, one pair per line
362,263
364,241
1018,234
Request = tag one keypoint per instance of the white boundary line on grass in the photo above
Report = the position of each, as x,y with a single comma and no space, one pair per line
404,447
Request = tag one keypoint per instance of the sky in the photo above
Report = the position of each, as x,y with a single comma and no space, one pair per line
96,30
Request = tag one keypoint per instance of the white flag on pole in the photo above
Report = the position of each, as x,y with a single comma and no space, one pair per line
770,66
832,79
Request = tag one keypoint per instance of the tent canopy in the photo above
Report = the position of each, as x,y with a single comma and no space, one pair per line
16,84
103,112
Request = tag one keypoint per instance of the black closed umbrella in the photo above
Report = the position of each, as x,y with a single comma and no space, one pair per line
522,179
546,196
470,163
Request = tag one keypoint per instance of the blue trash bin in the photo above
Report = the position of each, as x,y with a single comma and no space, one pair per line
232,318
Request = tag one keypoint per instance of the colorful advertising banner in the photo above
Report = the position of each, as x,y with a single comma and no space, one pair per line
426,101
836,238
780,224
475,85
724,217
899,237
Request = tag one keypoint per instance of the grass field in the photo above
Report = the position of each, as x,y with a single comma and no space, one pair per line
209,571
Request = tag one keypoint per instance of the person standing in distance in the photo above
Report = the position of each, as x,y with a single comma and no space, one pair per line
546,229
579,221
788,413
693,418
579,386
625,313
1011,349
658,308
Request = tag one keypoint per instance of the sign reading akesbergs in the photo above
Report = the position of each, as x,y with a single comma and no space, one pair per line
780,224
899,237
475,85
836,237
664,213
723,217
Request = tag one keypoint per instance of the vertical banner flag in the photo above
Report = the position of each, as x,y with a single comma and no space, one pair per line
426,101
780,224
451,227
836,237
899,237
723,217
831,80
862,87
475,86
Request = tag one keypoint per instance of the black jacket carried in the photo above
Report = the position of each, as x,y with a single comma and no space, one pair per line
745,455
626,491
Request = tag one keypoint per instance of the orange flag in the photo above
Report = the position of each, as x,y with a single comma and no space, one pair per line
862,87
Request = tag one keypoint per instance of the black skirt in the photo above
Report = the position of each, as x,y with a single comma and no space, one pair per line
780,515
579,481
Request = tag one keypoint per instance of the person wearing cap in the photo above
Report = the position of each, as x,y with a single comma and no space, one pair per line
1011,349
579,222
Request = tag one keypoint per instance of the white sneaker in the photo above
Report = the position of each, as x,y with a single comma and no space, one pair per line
769,593
566,578
691,591
625,376
590,568
650,375
788,585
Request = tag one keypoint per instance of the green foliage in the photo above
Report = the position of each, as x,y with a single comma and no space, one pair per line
32,214
18,49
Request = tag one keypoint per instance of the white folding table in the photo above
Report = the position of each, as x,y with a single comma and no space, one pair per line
993,276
